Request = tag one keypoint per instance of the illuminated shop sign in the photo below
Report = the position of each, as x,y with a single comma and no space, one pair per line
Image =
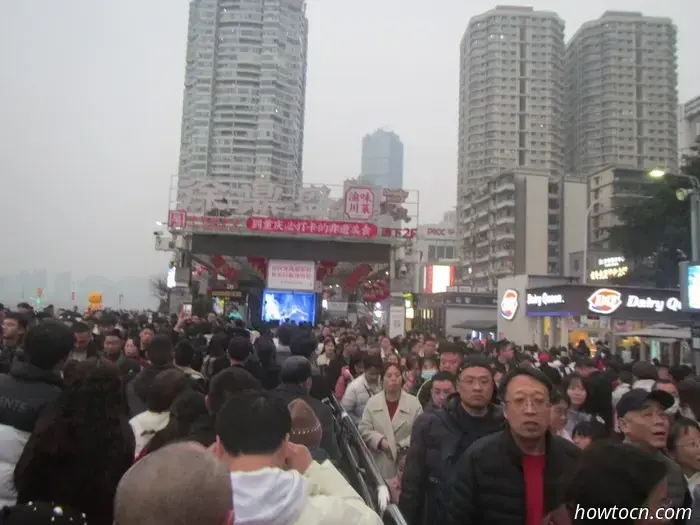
620,302
509,304
609,268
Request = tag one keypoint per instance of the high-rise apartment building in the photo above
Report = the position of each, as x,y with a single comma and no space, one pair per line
382,159
518,223
621,102
245,86
510,95
688,126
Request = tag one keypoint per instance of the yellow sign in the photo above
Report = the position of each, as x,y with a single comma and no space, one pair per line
605,274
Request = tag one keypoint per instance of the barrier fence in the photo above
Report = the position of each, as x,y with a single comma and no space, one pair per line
359,467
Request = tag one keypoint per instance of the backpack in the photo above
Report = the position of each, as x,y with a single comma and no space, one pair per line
450,453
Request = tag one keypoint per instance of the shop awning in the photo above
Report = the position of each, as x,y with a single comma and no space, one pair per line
477,326
657,333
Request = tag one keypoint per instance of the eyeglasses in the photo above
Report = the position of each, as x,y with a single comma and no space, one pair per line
538,403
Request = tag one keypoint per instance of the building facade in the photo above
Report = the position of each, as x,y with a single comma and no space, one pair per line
610,190
245,88
520,221
510,95
688,126
621,94
382,160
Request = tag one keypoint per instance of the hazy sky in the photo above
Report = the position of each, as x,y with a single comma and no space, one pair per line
92,96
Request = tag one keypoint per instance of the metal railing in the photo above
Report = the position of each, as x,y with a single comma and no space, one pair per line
360,468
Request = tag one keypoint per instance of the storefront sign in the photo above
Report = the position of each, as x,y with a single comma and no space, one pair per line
291,275
544,299
359,203
622,303
608,268
509,304
440,232
606,301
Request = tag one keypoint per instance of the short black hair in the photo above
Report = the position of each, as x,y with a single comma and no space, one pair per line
445,376
645,370
295,370
224,385
240,348
22,319
80,328
450,348
304,345
184,353
373,361
166,386
531,372
595,430
285,333
160,350
253,422
475,361
48,343
679,428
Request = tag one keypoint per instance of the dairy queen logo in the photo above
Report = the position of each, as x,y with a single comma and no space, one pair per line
604,301
509,305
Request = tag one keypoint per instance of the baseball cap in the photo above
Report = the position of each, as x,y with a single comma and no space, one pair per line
636,398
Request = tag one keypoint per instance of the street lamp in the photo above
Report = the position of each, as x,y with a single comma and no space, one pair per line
586,220
681,195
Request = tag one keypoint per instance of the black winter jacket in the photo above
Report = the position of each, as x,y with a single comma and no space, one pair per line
490,487
432,432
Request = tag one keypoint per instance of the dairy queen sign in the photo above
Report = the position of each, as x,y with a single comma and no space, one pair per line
624,303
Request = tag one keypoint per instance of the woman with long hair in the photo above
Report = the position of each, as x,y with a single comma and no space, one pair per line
81,447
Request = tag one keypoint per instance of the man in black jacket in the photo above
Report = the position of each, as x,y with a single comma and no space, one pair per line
160,353
512,477
440,437
296,384
26,391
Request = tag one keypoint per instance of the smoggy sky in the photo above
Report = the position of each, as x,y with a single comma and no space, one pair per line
91,107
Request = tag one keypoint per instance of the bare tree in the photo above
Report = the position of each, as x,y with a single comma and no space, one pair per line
160,290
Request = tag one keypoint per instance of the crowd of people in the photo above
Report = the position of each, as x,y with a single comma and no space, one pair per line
138,419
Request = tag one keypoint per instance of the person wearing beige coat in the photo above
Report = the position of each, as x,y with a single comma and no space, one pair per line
383,434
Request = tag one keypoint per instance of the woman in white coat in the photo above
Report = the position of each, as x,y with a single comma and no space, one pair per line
387,421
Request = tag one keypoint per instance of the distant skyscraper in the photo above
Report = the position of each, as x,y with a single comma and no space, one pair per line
245,88
621,94
62,288
382,159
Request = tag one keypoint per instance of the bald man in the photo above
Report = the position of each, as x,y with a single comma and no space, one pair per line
181,484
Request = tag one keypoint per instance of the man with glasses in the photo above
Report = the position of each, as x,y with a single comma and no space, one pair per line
518,469
644,422
441,436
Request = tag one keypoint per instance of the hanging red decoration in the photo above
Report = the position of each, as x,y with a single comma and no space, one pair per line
324,269
259,265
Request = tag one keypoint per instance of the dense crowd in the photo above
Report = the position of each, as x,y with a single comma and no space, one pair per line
129,418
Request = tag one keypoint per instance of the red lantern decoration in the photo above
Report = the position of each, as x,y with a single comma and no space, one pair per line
259,265
324,269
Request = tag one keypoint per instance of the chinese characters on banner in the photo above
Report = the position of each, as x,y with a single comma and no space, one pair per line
177,219
404,233
291,275
359,203
311,227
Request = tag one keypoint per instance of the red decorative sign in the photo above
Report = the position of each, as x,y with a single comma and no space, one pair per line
405,233
214,224
359,203
177,219
312,227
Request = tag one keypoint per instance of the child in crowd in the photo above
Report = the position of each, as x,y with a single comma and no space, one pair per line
587,432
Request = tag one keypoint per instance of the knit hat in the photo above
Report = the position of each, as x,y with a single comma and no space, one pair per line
37,513
306,428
